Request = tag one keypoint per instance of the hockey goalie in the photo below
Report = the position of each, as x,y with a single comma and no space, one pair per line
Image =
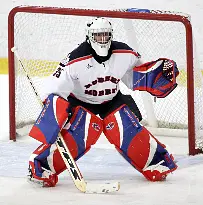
82,99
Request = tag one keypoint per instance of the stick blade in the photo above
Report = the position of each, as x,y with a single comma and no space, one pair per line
102,188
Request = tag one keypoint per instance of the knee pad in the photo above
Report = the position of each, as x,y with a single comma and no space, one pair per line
139,147
51,120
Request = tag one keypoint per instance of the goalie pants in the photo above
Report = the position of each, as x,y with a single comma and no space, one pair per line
106,108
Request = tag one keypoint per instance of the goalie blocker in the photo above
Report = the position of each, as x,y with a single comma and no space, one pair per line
121,127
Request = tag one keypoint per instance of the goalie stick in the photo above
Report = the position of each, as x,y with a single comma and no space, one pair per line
67,157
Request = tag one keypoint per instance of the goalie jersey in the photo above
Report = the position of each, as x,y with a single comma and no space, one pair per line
90,81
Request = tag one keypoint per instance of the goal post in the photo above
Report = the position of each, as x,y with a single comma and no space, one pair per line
45,35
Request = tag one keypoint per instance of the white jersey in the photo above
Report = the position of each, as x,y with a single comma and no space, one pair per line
81,76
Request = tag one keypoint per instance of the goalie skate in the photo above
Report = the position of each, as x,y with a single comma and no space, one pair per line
49,181
35,182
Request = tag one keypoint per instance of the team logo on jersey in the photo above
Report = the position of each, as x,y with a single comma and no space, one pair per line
95,126
89,66
107,91
110,126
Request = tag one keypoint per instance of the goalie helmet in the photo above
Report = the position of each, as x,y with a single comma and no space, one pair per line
99,35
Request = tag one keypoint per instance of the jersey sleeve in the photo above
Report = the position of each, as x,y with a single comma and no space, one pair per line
59,83
127,79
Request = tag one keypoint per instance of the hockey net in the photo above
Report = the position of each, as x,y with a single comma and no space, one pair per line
45,35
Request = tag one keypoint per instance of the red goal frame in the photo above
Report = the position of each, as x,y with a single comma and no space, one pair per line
111,14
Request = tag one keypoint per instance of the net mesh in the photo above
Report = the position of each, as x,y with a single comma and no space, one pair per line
44,39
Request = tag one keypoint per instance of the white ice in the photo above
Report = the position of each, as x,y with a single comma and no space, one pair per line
102,163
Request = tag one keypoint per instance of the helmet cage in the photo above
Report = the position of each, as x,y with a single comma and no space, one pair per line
100,36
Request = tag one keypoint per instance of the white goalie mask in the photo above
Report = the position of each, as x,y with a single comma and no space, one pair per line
99,35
